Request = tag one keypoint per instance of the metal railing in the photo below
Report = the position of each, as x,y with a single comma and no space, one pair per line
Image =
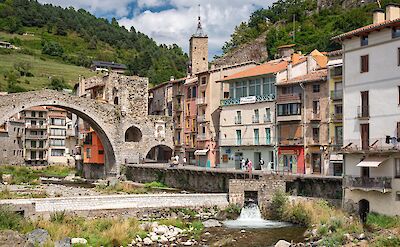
200,101
236,101
315,116
35,126
363,111
201,118
374,145
289,97
290,141
202,137
267,118
337,116
336,94
378,183
30,136
255,118
238,120
245,141
337,71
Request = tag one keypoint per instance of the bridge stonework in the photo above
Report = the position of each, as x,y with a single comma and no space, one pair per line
110,121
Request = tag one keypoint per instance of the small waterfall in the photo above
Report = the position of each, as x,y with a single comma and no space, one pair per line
250,217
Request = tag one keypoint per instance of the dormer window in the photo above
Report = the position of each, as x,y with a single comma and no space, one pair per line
364,40
395,32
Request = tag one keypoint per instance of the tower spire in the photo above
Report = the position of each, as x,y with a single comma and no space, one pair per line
199,31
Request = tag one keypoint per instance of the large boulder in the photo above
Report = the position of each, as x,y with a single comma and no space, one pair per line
38,237
211,223
65,242
13,238
78,241
282,243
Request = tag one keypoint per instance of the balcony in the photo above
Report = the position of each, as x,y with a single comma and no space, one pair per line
35,137
201,101
336,95
245,142
178,144
289,97
295,141
337,117
247,100
35,158
37,147
201,118
288,118
363,112
267,118
178,108
315,116
255,119
380,184
376,145
36,126
336,71
178,126
238,120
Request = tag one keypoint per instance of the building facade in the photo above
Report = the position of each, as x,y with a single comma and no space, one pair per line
247,129
57,134
12,141
371,60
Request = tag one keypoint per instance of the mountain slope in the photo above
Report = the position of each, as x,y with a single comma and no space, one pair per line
309,24
80,37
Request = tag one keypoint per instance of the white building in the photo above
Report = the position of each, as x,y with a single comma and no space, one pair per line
371,58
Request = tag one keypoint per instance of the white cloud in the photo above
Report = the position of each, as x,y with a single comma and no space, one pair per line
176,25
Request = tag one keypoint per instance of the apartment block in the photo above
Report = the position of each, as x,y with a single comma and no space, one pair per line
247,117
371,97
57,134
12,141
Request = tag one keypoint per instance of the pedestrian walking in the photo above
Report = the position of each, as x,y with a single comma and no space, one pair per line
250,168
177,159
242,164
246,164
262,163
184,160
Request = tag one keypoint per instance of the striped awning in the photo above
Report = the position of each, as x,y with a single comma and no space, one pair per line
372,161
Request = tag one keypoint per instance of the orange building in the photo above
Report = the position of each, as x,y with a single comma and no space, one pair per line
93,150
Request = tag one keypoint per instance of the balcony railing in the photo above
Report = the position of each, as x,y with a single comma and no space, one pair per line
178,108
363,111
30,136
238,101
337,116
201,137
256,119
291,141
315,116
336,94
201,118
376,145
35,126
201,101
37,147
337,71
267,118
381,184
289,97
238,120
245,141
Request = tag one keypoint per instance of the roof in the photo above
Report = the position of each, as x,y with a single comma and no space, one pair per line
167,83
318,75
53,108
36,108
263,69
320,58
368,29
335,53
109,64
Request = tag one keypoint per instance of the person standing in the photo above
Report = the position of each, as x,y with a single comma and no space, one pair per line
262,163
184,160
250,168
242,164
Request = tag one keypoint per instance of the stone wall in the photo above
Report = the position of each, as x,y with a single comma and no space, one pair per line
264,187
323,187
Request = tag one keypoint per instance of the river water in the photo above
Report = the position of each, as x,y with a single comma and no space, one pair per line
251,230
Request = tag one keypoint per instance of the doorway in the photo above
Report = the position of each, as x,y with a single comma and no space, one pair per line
238,158
257,158
363,210
365,136
316,163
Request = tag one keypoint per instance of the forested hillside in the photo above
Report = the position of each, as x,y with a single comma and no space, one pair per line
76,37
309,24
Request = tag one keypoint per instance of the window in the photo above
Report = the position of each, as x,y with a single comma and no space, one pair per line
396,32
315,88
267,135
203,80
338,109
268,86
241,89
57,121
187,140
238,137
187,123
40,114
256,117
289,109
255,87
256,137
316,107
397,168
88,153
398,89
238,118
57,142
33,114
188,110
315,134
364,40
364,64
57,132
194,92
101,151
267,116
59,152
33,144
398,130
398,56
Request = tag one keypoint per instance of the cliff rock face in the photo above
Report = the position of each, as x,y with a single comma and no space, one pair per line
256,50
323,4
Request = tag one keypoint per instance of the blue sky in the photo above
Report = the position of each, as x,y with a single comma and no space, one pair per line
173,21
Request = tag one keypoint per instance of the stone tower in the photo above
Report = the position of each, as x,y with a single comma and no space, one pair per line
198,51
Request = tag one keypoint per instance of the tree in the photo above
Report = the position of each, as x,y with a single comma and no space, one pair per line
23,68
93,43
57,84
52,48
61,29
11,78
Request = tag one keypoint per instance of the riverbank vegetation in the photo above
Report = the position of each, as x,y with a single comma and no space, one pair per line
133,188
30,175
330,226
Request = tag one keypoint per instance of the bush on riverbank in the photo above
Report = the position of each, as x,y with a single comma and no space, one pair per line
30,175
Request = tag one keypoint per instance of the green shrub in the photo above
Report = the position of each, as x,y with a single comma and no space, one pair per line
384,241
233,209
10,220
58,217
323,230
298,215
155,184
278,205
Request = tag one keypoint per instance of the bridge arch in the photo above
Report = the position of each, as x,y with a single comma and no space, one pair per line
133,134
93,112
159,154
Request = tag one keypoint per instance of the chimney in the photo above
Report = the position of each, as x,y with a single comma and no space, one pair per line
172,78
392,11
378,16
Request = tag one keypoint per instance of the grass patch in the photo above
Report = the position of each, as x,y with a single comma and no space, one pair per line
383,221
29,175
384,241
155,184
119,188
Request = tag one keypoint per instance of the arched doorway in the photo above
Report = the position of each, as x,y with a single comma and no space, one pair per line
133,134
363,210
159,154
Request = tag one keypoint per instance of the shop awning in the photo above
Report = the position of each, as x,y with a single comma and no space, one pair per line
372,161
201,152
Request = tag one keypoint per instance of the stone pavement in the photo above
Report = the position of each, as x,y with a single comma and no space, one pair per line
110,202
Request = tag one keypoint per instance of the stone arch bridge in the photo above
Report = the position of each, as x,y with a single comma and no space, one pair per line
108,120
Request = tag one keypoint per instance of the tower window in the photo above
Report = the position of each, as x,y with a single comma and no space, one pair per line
204,58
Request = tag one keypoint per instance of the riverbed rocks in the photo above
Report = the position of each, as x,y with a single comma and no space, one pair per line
13,238
38,237
282,243
78,241
211,223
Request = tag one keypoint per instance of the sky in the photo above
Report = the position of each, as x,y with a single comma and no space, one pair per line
174,21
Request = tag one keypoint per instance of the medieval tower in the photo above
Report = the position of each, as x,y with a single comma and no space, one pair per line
198,50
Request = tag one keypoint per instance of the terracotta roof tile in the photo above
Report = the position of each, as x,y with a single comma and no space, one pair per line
36,108
369,28
263,69
317,75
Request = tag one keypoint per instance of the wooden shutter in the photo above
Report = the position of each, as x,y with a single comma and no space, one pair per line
398,130
364,63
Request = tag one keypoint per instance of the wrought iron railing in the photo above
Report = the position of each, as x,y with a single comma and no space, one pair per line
238,120
374,145
363,111
336,94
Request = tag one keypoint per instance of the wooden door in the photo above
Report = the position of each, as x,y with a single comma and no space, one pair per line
364,104
365,136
